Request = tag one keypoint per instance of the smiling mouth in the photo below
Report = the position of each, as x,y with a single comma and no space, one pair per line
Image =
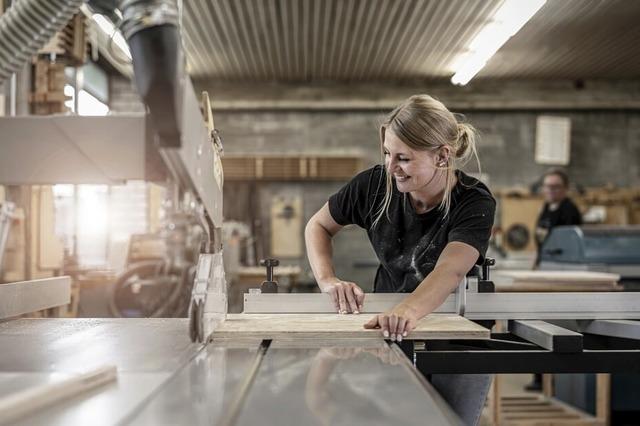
401,178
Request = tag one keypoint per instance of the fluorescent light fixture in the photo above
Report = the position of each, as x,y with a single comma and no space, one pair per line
506,22
107,27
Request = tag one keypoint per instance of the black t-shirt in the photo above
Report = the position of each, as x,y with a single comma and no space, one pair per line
409,244
566,214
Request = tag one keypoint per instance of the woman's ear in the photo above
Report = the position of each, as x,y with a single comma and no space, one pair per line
442,156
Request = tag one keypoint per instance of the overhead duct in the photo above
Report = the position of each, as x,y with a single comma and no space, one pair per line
151,28
27,26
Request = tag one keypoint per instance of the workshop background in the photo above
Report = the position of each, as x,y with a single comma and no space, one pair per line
298,90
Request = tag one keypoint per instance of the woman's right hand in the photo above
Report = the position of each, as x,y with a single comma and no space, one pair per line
346,296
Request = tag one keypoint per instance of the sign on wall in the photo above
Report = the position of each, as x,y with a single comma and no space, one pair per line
553,140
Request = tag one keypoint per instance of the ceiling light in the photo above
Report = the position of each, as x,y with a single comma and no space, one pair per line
506,22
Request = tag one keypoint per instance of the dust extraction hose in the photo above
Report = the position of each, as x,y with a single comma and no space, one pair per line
27,26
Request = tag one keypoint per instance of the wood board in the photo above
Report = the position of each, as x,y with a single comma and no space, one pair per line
550,281
324,326
557,276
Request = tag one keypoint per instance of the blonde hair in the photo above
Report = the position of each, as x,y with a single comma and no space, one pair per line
424,123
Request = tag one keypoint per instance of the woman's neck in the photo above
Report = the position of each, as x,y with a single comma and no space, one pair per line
431,194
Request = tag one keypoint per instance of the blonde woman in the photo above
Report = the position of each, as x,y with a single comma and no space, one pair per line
428,223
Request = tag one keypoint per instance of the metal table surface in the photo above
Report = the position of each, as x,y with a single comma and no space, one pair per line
165,379
147,352
362,384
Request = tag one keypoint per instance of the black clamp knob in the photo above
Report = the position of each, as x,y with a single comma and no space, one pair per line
270,285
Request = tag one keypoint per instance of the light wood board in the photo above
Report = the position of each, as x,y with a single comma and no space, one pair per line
557,276
549,287
325,326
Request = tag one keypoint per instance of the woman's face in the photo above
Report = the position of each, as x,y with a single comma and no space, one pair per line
412,170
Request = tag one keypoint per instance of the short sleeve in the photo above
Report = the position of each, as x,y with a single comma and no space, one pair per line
571,215
471,223
353,203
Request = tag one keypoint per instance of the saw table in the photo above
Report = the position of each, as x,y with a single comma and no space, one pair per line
271,366
164,378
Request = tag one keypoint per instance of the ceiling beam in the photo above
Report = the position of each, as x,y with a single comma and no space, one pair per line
481,95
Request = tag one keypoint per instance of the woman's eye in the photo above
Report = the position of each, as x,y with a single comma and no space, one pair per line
403,159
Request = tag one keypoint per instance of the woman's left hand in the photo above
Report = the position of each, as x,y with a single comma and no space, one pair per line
396,323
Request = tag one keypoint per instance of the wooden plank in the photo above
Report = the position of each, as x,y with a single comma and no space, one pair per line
543,287
33,399
549,336
522,276
30,296
603,398
325,326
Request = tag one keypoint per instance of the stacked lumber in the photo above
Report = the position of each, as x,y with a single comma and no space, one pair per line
48,88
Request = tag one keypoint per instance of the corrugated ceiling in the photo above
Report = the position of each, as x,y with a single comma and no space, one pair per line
355,40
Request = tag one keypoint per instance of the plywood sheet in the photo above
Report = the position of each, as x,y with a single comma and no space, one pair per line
324,326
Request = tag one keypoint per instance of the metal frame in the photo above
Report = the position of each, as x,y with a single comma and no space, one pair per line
110,149
477,306
580,345
537,347
6,214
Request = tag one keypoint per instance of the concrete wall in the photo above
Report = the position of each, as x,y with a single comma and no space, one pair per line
605,148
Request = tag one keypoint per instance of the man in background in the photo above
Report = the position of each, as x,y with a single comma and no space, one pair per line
558,210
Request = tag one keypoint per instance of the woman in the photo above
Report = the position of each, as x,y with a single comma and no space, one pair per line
428,223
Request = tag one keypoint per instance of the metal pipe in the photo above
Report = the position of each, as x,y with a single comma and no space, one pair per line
12,95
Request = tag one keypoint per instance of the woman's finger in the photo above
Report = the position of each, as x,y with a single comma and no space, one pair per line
393,324
373,323
402,322
351,299
383,320
333,293
408,327
359,297
342,301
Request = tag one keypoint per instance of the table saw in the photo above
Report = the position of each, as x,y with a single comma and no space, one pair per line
179,371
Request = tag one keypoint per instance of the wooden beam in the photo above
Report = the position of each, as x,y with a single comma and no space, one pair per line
29,296
33,399
548,336
492,95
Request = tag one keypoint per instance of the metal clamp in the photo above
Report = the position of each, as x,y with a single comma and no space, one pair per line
461,297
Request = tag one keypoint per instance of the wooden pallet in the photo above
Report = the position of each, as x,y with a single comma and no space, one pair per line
538,410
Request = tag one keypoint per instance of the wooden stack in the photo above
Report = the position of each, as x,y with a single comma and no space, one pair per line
290,168
621,206
68,47
70,44
536,409
48,88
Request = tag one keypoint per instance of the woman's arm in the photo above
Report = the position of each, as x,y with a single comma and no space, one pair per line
454,262
346,296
